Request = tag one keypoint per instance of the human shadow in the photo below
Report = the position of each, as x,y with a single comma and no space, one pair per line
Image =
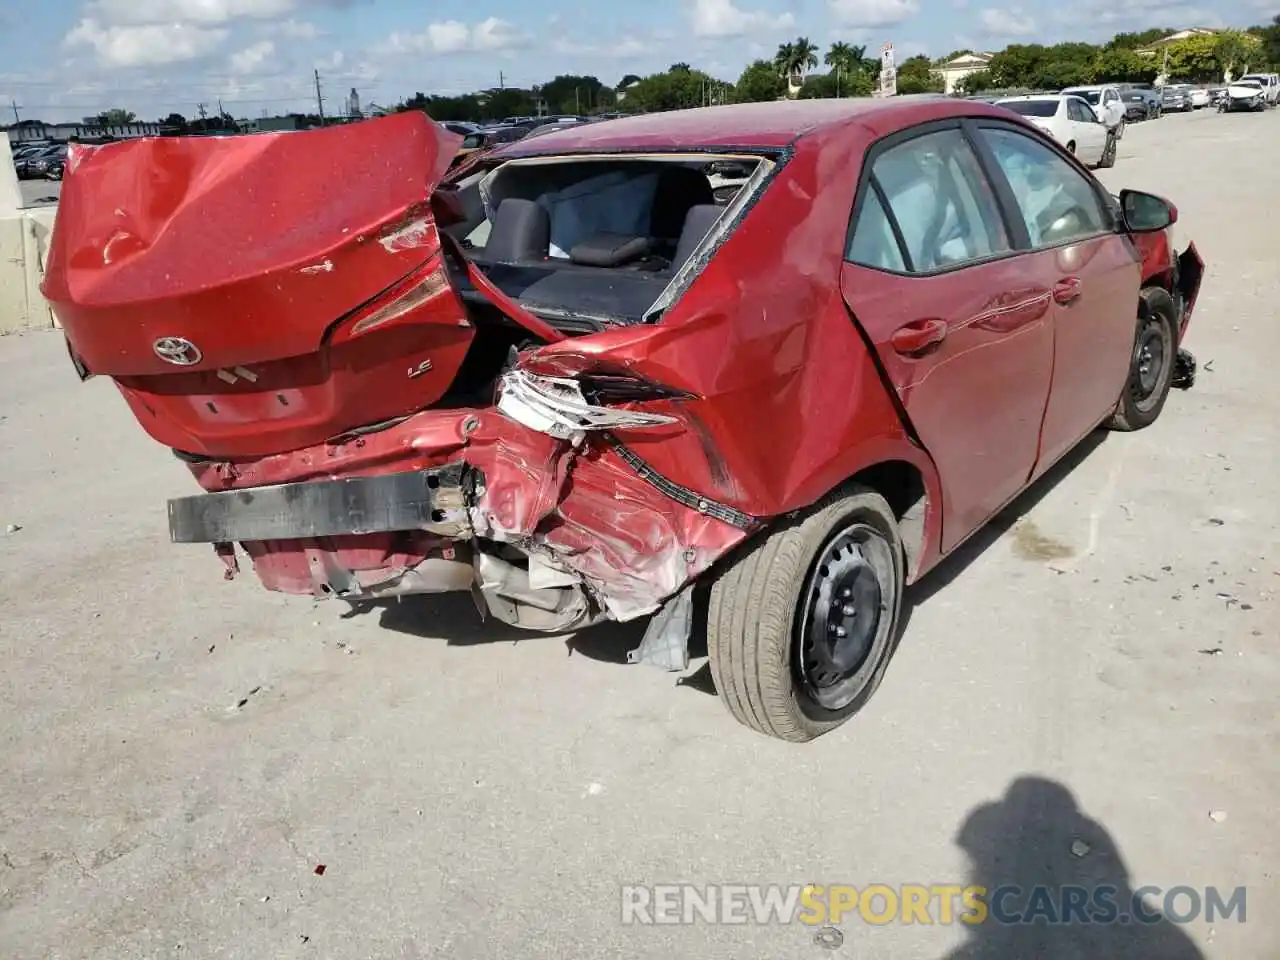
1035,851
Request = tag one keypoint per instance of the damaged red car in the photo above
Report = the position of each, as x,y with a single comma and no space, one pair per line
579,382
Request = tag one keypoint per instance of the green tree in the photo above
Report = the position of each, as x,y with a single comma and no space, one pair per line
1122,65
952,55
818,86
175,121
1208,57
848,57
627,81
795,60
975,83
569,93
1016,65
1136,41
676,89
915,75
116,116
760,83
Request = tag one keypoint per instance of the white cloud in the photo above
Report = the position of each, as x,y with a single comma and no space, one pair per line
873,13
454,36
297,29
720,18
1012,22
187,12
252,58
151,45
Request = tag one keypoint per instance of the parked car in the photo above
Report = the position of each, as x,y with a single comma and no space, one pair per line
486,138
1244,95
1070,121
1176,99
1200,98
1217,95
461,128
614,403
1270,83
37,164
1105,100
1140,104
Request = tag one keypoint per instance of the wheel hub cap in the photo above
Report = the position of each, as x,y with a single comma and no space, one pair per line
844,606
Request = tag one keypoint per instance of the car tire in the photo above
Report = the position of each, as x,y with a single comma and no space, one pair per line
781,663
1151,365
1108,158
1120,130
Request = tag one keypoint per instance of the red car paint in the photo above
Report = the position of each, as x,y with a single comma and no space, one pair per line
783,399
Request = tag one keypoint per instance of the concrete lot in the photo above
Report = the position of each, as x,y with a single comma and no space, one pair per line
180,753
37,193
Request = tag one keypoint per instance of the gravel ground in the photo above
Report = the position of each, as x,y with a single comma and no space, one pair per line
179,754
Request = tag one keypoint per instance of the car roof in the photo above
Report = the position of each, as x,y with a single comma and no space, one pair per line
749,125
1037,96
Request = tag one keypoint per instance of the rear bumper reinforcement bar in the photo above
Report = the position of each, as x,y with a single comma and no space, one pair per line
431,500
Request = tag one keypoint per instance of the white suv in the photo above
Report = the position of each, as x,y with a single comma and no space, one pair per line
1270,85
1106,102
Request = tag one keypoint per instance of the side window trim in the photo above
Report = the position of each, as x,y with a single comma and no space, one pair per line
1014,225
883,200
1003,189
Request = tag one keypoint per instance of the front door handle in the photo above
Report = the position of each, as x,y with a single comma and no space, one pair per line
1066,290
919,336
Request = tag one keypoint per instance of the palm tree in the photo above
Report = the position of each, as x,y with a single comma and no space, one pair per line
847,57
785,59
806,56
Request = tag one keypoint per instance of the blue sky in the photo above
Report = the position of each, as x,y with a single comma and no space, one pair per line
63,59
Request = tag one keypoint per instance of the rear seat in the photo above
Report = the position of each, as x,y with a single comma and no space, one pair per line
520,232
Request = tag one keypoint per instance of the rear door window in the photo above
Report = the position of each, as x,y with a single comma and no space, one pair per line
944,208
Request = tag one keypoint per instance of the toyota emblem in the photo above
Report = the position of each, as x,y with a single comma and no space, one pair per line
177,350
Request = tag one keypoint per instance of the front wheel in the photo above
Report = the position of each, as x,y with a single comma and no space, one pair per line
1120,130
801,626
1155,349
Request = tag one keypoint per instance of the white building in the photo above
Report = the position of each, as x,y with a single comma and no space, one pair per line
956,69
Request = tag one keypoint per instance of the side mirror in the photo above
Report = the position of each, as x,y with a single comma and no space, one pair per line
1145,212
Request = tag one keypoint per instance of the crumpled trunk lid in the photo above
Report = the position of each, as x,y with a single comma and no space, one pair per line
254,294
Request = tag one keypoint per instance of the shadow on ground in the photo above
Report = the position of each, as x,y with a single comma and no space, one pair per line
454,618
955,563
1033,838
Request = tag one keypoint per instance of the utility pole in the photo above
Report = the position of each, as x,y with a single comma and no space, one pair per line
577,102
319,99
200,109
14,104
502,80
221,112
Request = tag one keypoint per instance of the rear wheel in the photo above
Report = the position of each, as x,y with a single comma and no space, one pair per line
1108,153
1151,365
801,627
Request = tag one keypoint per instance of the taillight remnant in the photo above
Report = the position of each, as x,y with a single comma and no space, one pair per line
556,406
430,286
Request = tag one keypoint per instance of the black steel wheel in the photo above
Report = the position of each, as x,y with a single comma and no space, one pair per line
1151,366
802,624
850,594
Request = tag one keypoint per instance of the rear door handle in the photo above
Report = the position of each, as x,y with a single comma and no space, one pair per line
1066,290
918,336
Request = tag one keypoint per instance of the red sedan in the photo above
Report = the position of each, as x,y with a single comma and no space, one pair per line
584,383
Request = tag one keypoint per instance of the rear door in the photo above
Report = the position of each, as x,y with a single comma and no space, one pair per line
960,320
1094,276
